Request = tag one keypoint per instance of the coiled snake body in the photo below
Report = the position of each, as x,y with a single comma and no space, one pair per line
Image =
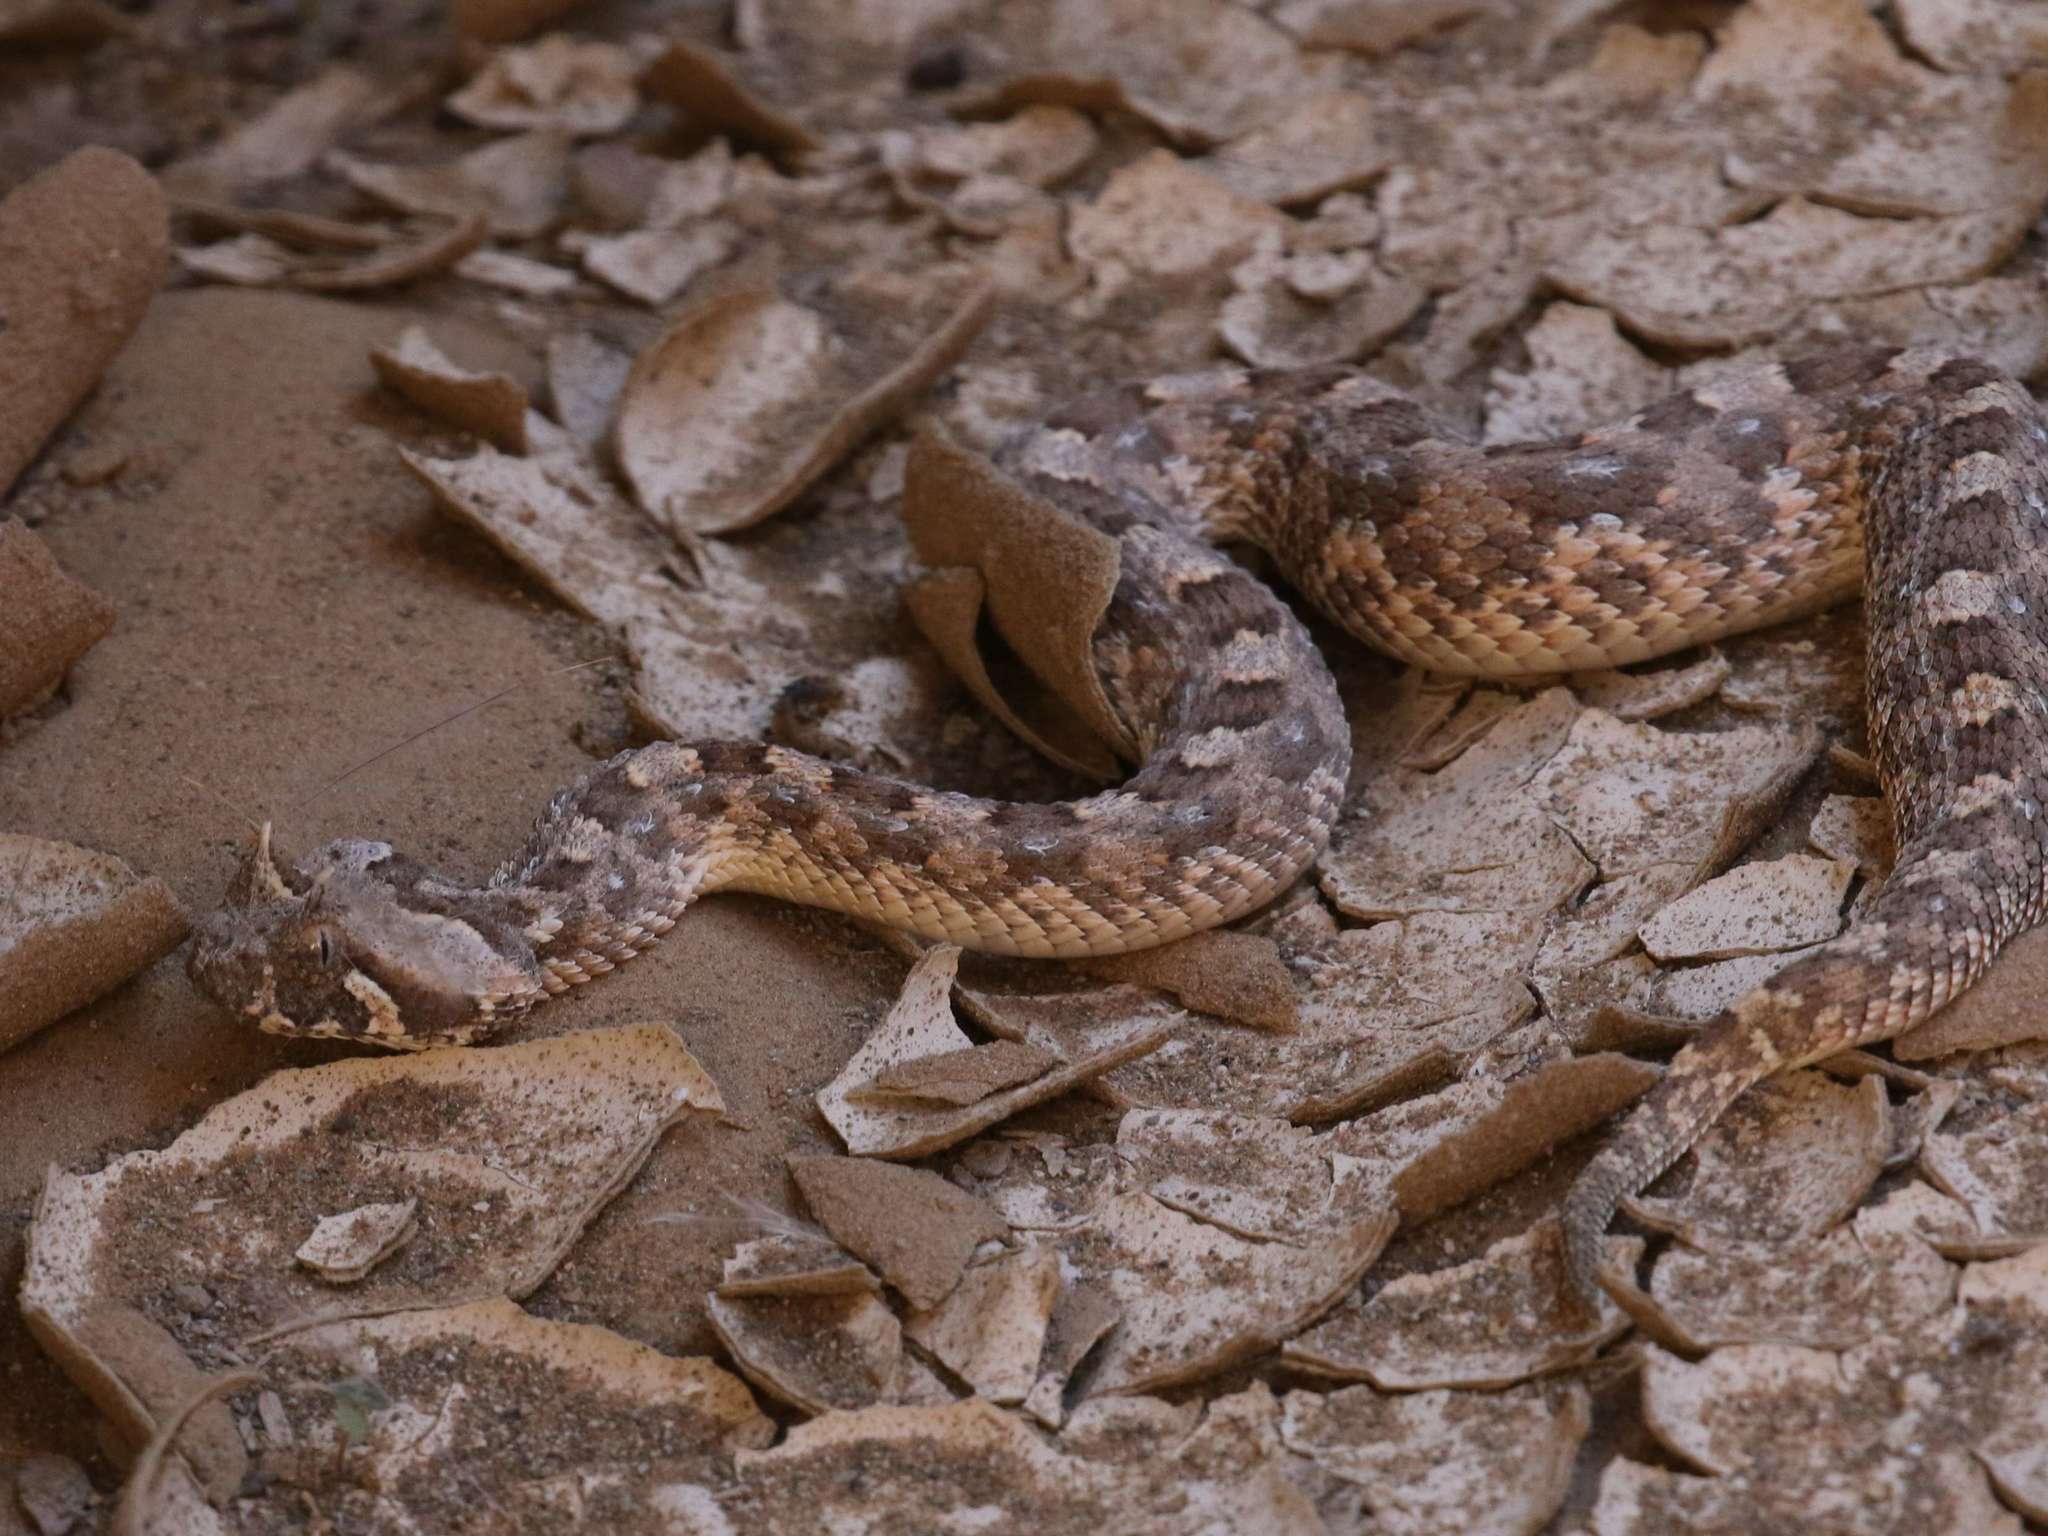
1766,495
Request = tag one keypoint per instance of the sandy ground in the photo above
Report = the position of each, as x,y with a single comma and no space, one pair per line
290,605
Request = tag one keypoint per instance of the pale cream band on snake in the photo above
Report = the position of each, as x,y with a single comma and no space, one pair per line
1766,495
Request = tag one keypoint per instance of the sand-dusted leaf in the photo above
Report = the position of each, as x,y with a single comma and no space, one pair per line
747,399
1502,1318
492,405
815,1352
1793,1157
921,1025
991,1330
1485,1463
557,83
516,185
1761,908
74,924
918,1230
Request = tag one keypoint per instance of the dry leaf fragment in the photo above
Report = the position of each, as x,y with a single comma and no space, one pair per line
991,1330
492,405
1857,830
2003,1009
585,374
747,399
1159,219
281,141
1269,324
793,1264
1657,692
1236,976
921,1025
74,924
816,1353
964,1077
1480,1463
515,185
82,249
1995,1169
1760,908
1196,1298
1228,71
49,620
917,1229
516,274
257,261
1328,143
1492,1322
581,88
1583,374
1792,1158
510,1153
655,265
1255,1177
707,87
345,1247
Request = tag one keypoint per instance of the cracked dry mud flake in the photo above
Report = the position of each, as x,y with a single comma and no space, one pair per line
1582,374
984,177
1496,1320
492,405
1976,36
813,1352
1480,1463
1873,1278
258,261
1758,908
509,1153
51,619
1793,1157
516,186
1992,1163
403,1423
921,1025
992,1329
799,1263
915,1228
347,1245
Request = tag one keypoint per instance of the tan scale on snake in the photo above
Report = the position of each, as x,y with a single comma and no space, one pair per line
1769,494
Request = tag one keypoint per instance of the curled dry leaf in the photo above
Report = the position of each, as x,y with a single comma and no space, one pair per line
920,1025
747,399
1793,1157
1761,908
510,1153
1482,1463
49,620
74,924
1045,578
914,1227
281,141
82,249
516,186
708,87
257,261
816,1353
548,1416
557,83
1492,1322
345,1247
492,405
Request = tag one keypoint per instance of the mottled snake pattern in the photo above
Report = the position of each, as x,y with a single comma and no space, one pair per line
1766,494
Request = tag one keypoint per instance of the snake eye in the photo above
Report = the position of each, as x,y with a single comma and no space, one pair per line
325,945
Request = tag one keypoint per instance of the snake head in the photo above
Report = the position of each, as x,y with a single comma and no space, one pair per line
356,942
